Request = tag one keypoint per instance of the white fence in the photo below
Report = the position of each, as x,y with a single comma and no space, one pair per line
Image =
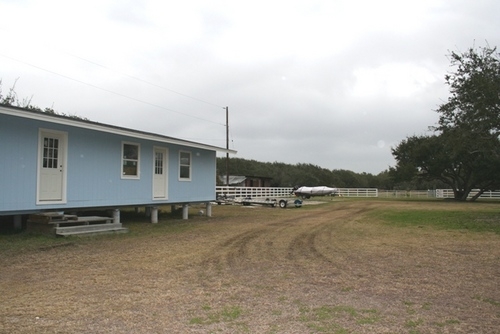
273,192
448,193
358,192
253,192
438,193
406,193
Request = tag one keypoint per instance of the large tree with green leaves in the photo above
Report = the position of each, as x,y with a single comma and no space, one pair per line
460,160
474,103
464,152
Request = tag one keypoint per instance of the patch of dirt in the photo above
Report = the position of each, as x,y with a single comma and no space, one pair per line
318,269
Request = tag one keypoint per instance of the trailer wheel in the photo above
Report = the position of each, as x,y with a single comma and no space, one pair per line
282,204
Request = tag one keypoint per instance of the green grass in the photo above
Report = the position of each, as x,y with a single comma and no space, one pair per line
448,322
139,225
413,323
476,221
325,319
24,241
488,300
210,316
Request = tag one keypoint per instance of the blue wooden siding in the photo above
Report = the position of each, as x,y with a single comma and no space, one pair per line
94,169
17,164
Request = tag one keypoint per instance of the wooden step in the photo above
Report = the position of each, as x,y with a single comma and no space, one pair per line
48,217
90,229
93,232
64,225
82,220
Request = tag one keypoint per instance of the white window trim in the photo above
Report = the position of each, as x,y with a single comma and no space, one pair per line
131,177
190,166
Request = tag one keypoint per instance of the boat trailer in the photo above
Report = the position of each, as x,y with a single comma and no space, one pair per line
247,201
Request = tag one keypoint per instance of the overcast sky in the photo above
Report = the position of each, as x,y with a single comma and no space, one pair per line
332,83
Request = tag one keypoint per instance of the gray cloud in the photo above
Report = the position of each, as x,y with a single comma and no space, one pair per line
335,84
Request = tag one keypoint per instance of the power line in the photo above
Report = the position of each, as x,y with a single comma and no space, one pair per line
116,93
142,80
58,49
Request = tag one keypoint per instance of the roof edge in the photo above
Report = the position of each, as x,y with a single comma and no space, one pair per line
102,127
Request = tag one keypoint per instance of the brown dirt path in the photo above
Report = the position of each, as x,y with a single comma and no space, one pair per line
318,269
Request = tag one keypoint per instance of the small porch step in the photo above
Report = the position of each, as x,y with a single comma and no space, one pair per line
60,224
48,217
81,220
90,229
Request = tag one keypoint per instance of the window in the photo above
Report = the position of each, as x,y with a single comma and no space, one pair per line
130,160
50,152
159,163
185,166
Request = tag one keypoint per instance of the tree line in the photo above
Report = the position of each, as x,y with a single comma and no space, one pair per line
290,175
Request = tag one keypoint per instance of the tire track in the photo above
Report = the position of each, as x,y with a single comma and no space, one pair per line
304,247
291,240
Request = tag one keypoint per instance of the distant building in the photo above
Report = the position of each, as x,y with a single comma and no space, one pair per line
246,181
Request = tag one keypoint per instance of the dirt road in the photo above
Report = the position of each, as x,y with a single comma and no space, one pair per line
320,269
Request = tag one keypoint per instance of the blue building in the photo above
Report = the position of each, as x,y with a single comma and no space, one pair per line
51,162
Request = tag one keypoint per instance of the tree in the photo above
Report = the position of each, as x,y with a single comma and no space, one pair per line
11,99
474,103
454,158
464,152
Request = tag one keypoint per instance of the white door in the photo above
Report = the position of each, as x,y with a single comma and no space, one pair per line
51,166
160,173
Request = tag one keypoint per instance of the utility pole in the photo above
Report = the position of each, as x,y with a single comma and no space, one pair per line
227,146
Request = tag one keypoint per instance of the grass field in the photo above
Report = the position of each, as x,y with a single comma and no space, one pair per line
342,266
